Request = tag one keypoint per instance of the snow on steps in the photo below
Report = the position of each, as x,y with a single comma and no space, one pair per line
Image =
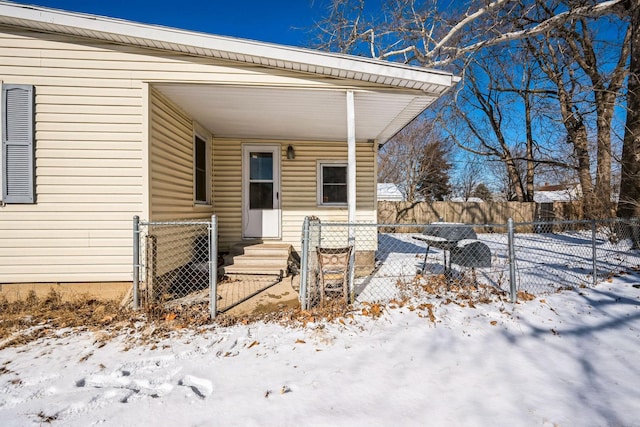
262,258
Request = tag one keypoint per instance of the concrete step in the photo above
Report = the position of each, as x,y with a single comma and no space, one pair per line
263,258
260,261
239,271
254,248
268,250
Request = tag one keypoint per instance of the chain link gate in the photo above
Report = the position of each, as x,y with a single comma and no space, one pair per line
174,260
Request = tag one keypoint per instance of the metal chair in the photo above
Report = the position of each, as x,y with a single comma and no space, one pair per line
333,271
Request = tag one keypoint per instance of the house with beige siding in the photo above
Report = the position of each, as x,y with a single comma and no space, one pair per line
105,119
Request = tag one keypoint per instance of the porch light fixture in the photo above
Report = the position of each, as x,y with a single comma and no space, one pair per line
291,153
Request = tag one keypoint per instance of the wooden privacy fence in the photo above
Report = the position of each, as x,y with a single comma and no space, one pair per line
465,212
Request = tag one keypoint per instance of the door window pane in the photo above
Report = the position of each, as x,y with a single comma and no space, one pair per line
261,195
261,166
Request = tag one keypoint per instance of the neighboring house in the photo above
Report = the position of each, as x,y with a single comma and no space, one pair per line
557,193
389,192
104,119
550,198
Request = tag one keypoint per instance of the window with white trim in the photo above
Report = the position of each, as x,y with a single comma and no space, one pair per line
17,162
332,183
201,171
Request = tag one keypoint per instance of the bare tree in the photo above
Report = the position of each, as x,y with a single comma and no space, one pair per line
468,178
588,75
483,121
416,160
412,31
421,32
553,63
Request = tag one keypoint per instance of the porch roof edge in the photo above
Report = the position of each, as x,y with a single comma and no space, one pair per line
41,19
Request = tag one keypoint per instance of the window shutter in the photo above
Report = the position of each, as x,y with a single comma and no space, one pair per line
18,166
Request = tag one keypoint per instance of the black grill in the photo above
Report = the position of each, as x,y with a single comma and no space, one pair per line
461,242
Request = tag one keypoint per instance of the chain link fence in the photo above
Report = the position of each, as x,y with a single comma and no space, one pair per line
566,254
177,263
536,258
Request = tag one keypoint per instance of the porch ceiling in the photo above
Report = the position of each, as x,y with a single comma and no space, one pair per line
284,113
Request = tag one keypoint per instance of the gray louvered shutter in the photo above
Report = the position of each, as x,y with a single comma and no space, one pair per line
18,166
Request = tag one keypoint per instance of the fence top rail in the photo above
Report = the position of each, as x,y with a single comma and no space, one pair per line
579,221
361,224
436,224
175,222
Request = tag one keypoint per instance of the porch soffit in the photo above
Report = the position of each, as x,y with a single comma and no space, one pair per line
255,112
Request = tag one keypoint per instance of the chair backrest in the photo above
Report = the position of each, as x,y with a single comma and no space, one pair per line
334,259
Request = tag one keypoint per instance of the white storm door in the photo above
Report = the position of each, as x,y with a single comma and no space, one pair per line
261,191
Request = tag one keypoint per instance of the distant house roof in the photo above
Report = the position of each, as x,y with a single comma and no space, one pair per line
470,199
556,193
390,192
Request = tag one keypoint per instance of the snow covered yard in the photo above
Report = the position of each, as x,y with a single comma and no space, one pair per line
544,263
564,359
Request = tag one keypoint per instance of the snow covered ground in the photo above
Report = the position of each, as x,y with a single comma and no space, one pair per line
564,359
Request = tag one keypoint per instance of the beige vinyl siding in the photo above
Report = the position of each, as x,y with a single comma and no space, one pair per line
171,163
172,182
88,173
298,183
227,190
299,186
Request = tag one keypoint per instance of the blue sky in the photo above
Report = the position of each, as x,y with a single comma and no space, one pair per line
285,22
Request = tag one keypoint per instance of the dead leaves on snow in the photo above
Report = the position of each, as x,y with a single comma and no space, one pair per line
34,317
429,309
525,296
371,310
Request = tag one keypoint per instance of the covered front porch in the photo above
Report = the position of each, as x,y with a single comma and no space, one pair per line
265,149
269,146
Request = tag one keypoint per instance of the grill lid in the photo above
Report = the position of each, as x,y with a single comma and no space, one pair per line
451,231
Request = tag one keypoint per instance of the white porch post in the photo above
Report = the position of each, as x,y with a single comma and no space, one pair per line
351,159
351,186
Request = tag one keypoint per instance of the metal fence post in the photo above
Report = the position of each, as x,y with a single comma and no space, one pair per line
352,263
136,261
304,264
594,252
213,266
512,261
